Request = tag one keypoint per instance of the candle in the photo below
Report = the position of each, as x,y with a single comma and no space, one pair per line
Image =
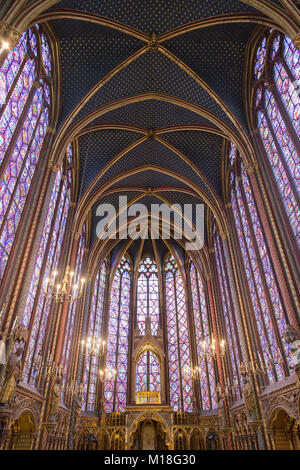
46,284
14,324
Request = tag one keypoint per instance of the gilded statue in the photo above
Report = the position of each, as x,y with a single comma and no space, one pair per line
78,398
221,409
55,400
249,397
293,338
13,375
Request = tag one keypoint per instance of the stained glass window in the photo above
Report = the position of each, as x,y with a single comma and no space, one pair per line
95,328
71,318
203,333
270,317
115,387
24,119
229,314
181,389
148,373
148,295
277,111
37,307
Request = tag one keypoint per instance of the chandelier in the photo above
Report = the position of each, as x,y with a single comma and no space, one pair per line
107,374
71,387
210,349
49,367
191,372
253,367
64,291
93,346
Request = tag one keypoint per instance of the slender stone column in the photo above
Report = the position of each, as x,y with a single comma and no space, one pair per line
194,355
88,290
235,301
261,430
66,305
219,362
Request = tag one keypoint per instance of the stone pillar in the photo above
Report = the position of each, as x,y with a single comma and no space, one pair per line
88,290
235,301
66,305
219,362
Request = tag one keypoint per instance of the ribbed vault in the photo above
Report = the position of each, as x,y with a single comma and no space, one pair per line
150,92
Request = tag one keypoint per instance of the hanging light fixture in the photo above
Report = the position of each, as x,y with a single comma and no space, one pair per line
107,374
93,347
210,350
65,290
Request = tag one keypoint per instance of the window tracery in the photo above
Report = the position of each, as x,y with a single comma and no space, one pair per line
269,314
148,373
95,331
25,85
148,295
115,388
181,389
277,113
37,307
203,333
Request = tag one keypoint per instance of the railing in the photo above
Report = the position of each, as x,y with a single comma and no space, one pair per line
148,397
115,419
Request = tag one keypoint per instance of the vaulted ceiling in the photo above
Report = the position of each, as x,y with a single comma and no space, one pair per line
150,89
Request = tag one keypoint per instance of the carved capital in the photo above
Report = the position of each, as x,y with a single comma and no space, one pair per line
76,235
51,130
36,84
251,167
54,167
10,34
50,426
296,40
224,235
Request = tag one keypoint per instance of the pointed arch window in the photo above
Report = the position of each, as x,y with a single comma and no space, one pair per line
37,308
71,318
148,295
203,333
277,117
148,373
269,314
95,331
25,88
115,388
181,390
230,326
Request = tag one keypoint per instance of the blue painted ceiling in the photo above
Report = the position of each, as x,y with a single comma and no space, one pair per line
89,51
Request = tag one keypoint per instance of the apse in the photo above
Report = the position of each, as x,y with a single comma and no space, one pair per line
149,225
